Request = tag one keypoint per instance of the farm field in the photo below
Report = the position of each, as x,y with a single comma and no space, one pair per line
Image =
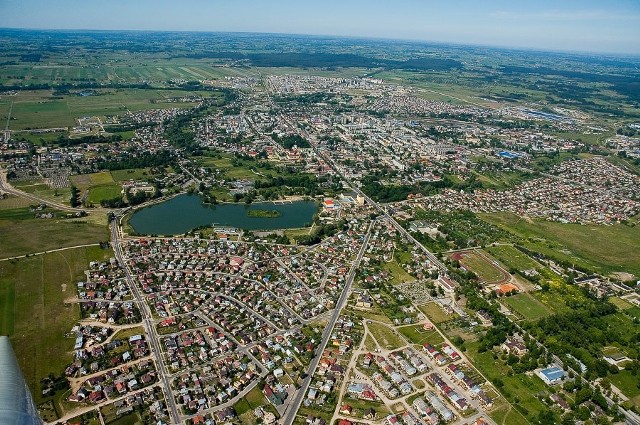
22,233
39,109
604,249
32,290
526,306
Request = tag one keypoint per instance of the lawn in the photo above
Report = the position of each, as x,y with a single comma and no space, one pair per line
512,257
385,336
516,386
24,235
527,306
417,335
435,313
103,192
628,384
604,249
475,262
398,274
34,315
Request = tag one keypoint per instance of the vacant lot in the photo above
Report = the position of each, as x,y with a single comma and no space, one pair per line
385,336
34,315
85,181
604,249
526,306
435,313
628,384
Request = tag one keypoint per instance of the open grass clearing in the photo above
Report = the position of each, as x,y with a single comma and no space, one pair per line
605,249
29,235
398,274
416,334
620,303
526,306
85,181
512,257
101,193
435,313
628,384
385,336
13,202
34,315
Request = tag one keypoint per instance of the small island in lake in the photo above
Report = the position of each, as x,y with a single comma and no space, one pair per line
263,213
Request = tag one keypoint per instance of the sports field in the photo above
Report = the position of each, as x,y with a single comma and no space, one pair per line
526,306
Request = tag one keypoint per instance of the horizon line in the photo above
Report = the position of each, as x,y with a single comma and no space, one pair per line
363,37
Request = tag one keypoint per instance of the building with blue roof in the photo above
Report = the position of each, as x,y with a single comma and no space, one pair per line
551,375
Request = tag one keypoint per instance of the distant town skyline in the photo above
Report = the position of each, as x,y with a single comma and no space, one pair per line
582,26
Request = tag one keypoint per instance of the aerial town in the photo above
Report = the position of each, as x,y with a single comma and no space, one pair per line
311,249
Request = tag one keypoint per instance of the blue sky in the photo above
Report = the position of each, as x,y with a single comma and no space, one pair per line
589,25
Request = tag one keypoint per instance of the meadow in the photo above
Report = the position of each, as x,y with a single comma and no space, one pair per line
32,291
22,233
603,249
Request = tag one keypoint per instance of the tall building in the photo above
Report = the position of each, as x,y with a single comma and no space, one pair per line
16,403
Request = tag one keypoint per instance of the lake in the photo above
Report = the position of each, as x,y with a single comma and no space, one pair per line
186,212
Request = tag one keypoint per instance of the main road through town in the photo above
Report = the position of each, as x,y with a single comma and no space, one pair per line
294,404
147,320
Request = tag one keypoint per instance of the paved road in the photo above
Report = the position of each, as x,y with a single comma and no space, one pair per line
294,405
147,321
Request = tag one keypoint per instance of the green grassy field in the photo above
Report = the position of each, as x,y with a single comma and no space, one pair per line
486,271
103,192
604,249
628,384
14,202
39,109
398,274
435,313
24,234
518,386
85,181
34,315
131,174
527,306
512,258
385,336
417,335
